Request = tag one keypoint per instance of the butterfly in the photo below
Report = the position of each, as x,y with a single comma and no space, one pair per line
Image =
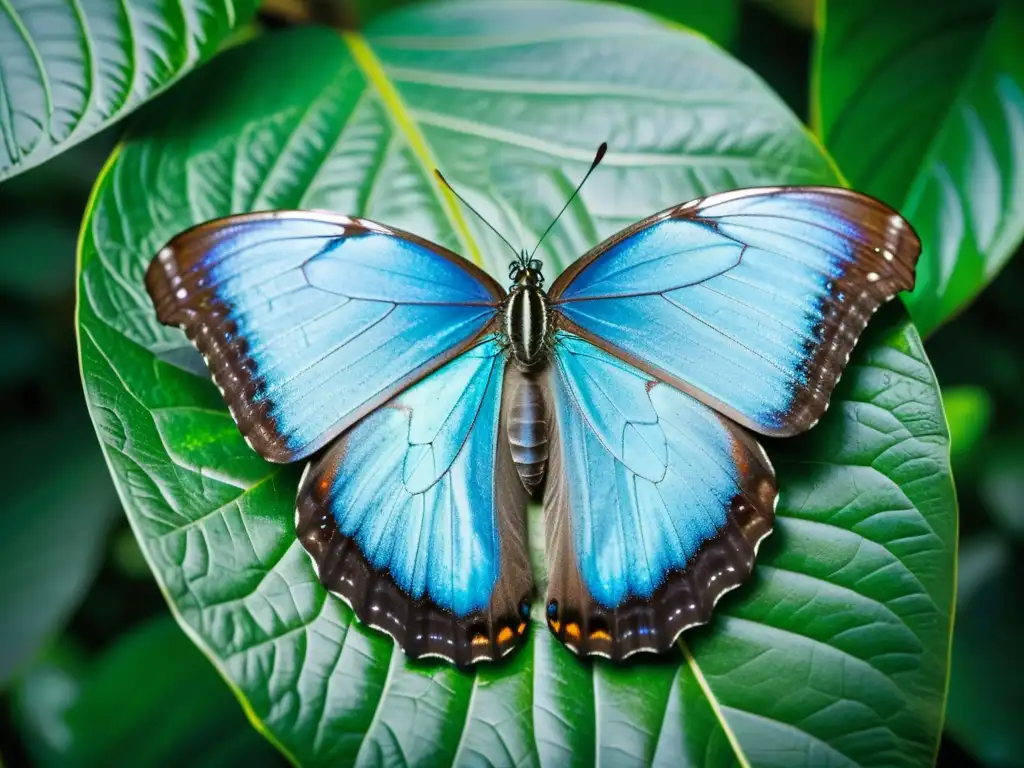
434,404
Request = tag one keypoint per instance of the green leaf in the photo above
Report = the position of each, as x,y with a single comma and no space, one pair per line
985,679
1001,484
67,69
836,653
152,696
58,509
925,109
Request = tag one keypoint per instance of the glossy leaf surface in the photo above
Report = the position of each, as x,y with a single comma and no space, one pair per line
69,68
926,111
835,654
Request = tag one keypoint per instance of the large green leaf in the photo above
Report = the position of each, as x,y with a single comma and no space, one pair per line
923,106
69,68
837,652
152,697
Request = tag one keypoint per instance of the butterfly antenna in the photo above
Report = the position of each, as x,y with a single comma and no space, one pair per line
597,159
462,200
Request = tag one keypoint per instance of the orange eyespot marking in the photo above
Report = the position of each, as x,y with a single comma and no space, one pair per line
600,634
555,625
572,630
739,457
521,628
325,484
480,640
504,635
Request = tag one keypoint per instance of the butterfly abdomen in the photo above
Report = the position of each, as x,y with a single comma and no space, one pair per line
528,430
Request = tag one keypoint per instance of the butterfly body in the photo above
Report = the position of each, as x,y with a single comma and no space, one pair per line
526,315
433,403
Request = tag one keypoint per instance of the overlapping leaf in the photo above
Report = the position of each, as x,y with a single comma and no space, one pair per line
926,111
68,68
835,654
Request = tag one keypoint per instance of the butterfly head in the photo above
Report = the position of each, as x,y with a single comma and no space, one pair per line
525,271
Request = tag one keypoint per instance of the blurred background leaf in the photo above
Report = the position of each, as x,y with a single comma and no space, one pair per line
70,69
151,699
968,413
925,109
58,509
979,357
1002,485
985,696
36,256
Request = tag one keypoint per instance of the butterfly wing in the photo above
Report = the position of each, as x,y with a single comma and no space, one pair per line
415,516
309,321
750,301
654,505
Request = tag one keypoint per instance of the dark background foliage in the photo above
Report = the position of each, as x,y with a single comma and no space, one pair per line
83,621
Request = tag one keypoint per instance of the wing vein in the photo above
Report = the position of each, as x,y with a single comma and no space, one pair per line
788,374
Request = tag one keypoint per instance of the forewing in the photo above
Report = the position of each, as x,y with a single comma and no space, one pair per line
308,321
416,516
751,300
654,505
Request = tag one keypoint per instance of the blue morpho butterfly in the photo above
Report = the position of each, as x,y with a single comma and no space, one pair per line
622,397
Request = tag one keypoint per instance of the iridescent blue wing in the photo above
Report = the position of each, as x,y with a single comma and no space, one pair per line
751,301
309,321
654,505
415,516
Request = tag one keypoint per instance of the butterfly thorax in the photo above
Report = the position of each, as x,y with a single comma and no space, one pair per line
525,315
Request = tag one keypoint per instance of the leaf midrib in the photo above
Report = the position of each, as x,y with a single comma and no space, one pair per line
402,120
713,702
